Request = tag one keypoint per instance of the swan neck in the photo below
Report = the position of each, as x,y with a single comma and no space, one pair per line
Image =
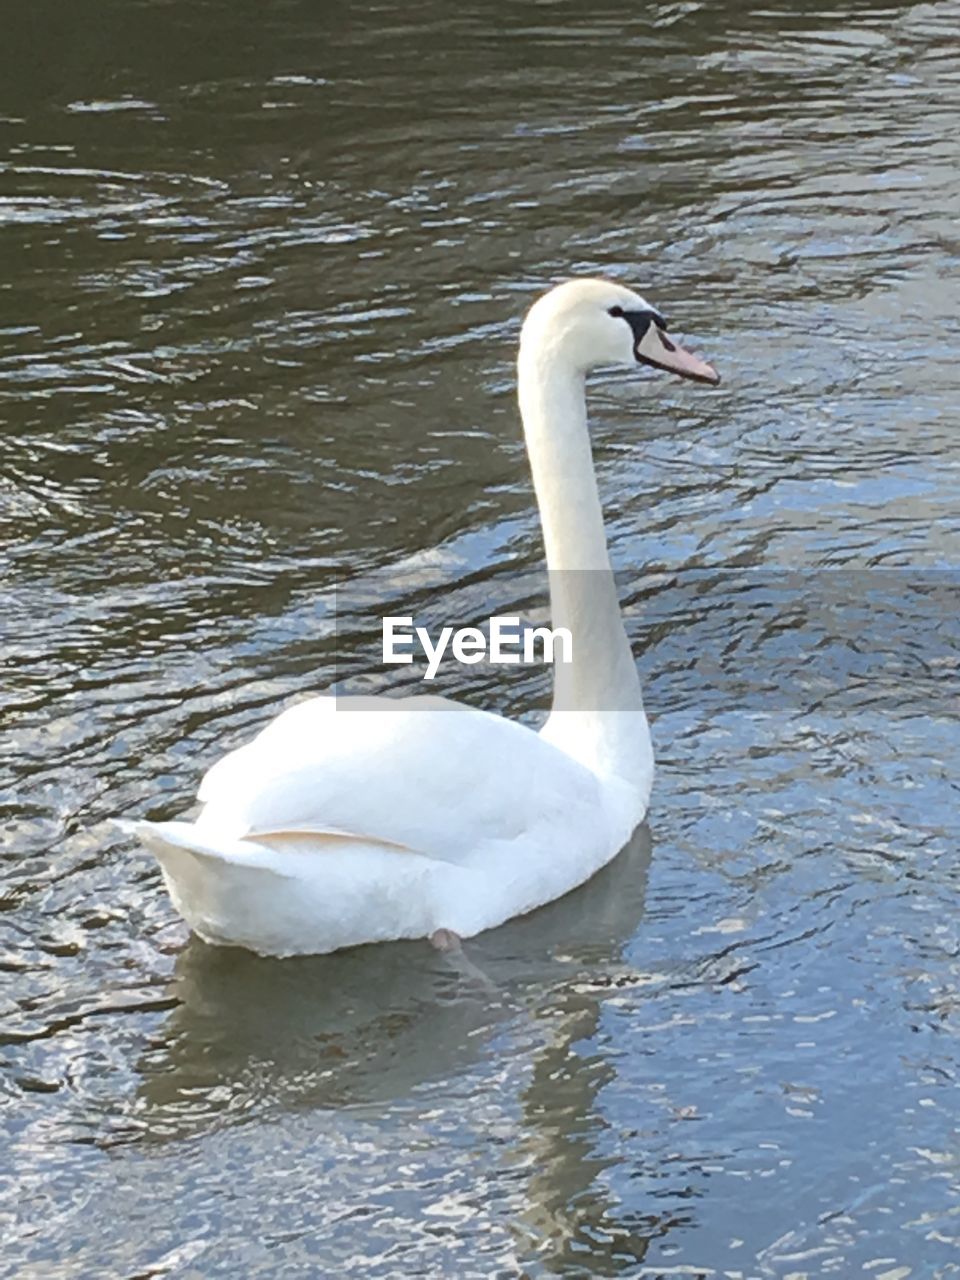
602,676
554,412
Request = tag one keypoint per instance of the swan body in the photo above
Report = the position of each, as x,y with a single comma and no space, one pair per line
364,819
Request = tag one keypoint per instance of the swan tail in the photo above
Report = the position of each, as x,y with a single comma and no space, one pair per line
300,890
173,839
224,888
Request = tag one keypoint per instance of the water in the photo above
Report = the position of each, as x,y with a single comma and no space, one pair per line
262,274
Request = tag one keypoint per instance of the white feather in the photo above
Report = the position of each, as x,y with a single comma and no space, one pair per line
356,820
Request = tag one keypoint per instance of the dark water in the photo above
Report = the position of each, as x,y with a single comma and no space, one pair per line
262,268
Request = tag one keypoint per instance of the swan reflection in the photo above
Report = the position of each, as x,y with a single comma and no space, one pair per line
252,1036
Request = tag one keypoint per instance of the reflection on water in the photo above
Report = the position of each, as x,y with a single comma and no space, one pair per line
254,1034
262,276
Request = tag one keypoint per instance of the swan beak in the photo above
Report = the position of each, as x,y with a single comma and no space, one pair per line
656,349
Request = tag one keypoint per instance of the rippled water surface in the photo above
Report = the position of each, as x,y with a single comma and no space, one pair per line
262,272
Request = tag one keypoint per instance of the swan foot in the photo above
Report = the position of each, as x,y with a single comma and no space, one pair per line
445,940
449,944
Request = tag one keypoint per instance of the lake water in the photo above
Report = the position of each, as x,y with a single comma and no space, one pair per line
262,274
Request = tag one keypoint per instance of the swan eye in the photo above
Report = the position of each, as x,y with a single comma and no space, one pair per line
616,311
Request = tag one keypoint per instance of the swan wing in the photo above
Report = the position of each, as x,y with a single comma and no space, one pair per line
423,775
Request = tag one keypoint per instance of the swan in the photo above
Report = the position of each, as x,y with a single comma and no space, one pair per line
366,819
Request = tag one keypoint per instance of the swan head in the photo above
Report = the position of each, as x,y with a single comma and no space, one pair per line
587,323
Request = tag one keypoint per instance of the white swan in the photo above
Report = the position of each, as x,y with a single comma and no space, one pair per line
365,819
